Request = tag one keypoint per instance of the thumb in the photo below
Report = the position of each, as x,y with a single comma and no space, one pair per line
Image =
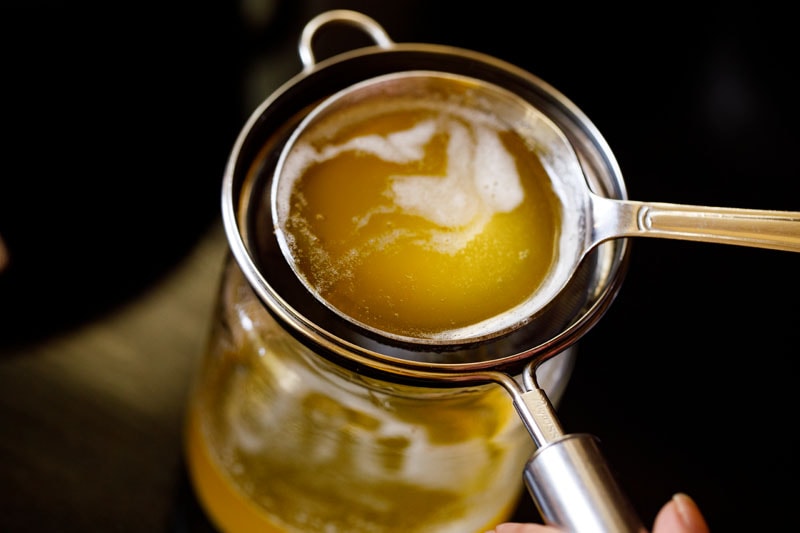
680,515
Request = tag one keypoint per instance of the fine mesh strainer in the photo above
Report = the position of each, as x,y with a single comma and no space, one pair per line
586,220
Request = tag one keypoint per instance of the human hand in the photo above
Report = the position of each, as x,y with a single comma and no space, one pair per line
679,515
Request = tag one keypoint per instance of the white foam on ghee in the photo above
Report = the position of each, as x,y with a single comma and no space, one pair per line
399,147
481,177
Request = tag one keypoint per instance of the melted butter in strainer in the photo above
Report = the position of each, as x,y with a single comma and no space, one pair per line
416,210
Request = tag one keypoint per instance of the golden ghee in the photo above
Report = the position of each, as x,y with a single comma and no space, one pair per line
417,217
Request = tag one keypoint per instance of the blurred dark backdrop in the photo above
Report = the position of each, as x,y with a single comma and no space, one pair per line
117,123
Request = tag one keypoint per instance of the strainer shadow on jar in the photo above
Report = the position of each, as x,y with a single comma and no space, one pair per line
567,476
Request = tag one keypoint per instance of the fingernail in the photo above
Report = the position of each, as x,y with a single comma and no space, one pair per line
685,506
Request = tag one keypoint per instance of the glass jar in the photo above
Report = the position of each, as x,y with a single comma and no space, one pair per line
281,439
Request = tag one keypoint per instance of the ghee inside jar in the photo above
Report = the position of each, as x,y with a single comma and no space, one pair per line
417,216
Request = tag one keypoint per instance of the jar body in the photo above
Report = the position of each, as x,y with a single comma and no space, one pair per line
281,439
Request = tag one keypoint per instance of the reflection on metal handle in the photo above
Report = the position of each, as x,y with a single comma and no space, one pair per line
353,18
575,490
567,477
758,228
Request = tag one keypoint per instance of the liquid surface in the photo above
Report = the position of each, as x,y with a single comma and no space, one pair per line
418,217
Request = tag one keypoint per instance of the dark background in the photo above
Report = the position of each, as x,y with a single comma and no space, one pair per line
118,120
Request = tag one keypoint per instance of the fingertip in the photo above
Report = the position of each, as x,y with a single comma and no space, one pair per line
680,514
689,512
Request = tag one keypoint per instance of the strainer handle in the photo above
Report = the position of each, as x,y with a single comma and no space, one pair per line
757,228
575,490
